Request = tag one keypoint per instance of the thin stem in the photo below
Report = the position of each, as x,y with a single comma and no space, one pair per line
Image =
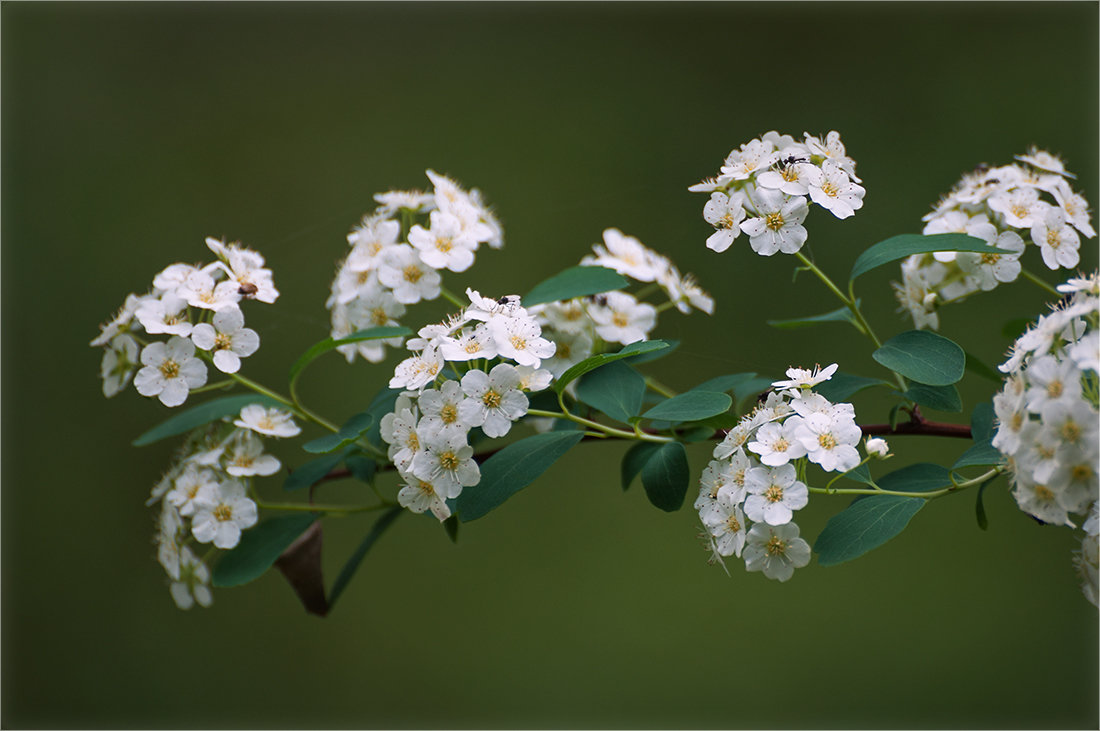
607,430
451,297
1042,284
213,386
931,495
330,509
657,387
296,408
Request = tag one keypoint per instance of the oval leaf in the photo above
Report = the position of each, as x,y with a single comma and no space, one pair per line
654,354
981,453
313,470
259,548
842,314
900,247
595,361
328,344
665,476
924,357
512,469
723,384
616,390
864,525
843,385
691,406
202,414
920,477
352,429
635,459
579,281
352,565
942,398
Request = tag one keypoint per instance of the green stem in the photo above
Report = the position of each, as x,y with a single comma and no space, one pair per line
657,387
330,509
296,408
606,430
451,297
1042,284
924,495
213,386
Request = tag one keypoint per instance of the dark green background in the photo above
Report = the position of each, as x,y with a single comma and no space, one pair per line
132,131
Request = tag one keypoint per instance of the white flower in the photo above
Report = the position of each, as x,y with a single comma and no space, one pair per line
830,442
1075,207
790,176
271,422
520,338
778,226
245,267
831,189
774,494
753,156
407,275
394,200
120,360
1086,352
470,344
1052,380
777,444
193,586
447,462
802,378
165,316
185,488
724,212
244,456
172,277
716,476
228,338
1019,206
569,316
877,447
832,149
200,290
440,408
684,291
399,430
1087,563
569,349
170,371
169,526
776,550
419,495
368,240
620,318
1011,412
494,399
1058,241
121,322
726,523
625,254
1043,160
991,268
418,370
222,511
446,245
534,379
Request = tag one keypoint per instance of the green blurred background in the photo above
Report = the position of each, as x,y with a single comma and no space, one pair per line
132,131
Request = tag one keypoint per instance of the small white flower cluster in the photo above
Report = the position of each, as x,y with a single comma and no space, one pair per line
754,473
428,430
1049,420
1003,206
395,261
171,368
762,190
204,498
577,325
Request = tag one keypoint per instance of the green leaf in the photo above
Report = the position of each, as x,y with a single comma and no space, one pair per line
362,468
981,421
842,314
328,344
920,477
941,398
384,521
616,390
352,429
579,281
905,245
724,384
310,472
204,413
864,525
980,453
653,355
924,357
450,525
512,469
665,476
859,474
843,385
980,369
259,548
382,404
979,508
691,406
635,459
595,361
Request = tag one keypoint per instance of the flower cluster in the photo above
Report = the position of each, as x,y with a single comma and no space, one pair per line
754,475
396,261
1048,417
764,190
428,430
1005,207
195,307
578,326
204,495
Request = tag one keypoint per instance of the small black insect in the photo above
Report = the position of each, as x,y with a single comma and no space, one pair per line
247,289
791,160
